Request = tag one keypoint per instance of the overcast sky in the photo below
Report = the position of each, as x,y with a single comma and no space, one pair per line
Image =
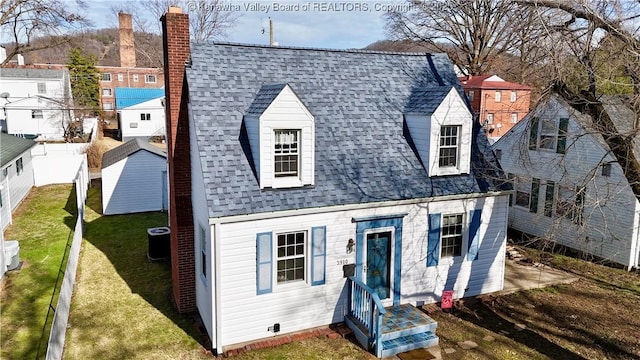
324,24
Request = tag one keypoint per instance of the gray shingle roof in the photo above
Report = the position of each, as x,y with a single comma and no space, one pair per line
623,117
32,73
357,99
264,98
12,146
127,149
426,100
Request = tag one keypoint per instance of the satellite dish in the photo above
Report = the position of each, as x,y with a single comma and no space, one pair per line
4,95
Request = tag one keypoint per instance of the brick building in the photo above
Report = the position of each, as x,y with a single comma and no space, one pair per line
497,103
127,75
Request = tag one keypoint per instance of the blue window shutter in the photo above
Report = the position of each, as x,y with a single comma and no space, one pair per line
318,255
474,235
433,240
264,266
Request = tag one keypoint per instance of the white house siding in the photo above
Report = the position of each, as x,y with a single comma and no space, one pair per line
50,126
286,112
420,130
610,226
5,210
133,184
15,187
252,124
246,316
452,111
205,291
133,127
26,87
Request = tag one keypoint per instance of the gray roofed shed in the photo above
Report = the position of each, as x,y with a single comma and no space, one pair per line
127,149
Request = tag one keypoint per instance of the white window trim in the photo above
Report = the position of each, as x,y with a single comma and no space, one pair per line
106,93
392,246
120,77
557,201
135,77
19,166
146,79
526,181
451,112
462,242
38,112
104,75
299,284
450,260
450,170
490,118
514,118
556,123
286,181
498,96
514,96
202,232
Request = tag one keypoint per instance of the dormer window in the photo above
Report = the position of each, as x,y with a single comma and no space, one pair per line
281,133
439,123
448,156
286,153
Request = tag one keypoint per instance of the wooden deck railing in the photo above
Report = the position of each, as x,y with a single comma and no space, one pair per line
366,309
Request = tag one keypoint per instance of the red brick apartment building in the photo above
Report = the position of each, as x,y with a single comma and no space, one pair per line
127,74
497,103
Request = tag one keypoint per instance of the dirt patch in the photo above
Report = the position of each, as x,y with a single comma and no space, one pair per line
593,318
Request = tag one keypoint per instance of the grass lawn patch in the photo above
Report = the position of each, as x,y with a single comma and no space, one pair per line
121,308
42,224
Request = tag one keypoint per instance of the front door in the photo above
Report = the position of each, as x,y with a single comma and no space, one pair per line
379,263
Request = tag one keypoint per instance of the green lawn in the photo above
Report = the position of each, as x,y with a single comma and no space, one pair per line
42,224
122,306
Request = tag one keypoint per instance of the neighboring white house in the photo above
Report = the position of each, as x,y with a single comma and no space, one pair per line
569,187
16,180
140,113
35,102
39,117
134,178
326,185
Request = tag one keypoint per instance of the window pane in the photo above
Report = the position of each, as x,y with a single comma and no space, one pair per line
286,152
448,152
291,257
452,235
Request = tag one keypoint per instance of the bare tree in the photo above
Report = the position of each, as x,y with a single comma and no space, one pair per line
208,19
23,21
472,32
584,25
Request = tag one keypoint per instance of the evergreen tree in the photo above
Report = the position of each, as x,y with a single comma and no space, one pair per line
85,82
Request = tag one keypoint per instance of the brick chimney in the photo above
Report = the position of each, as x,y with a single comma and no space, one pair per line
127,46
175,30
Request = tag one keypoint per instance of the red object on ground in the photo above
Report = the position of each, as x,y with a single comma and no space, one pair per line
447,299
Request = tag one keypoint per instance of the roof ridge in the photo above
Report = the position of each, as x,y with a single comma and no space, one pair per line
281,47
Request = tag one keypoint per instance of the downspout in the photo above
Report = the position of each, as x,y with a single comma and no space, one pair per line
217,312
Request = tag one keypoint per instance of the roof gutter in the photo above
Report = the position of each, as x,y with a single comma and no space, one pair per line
347,207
